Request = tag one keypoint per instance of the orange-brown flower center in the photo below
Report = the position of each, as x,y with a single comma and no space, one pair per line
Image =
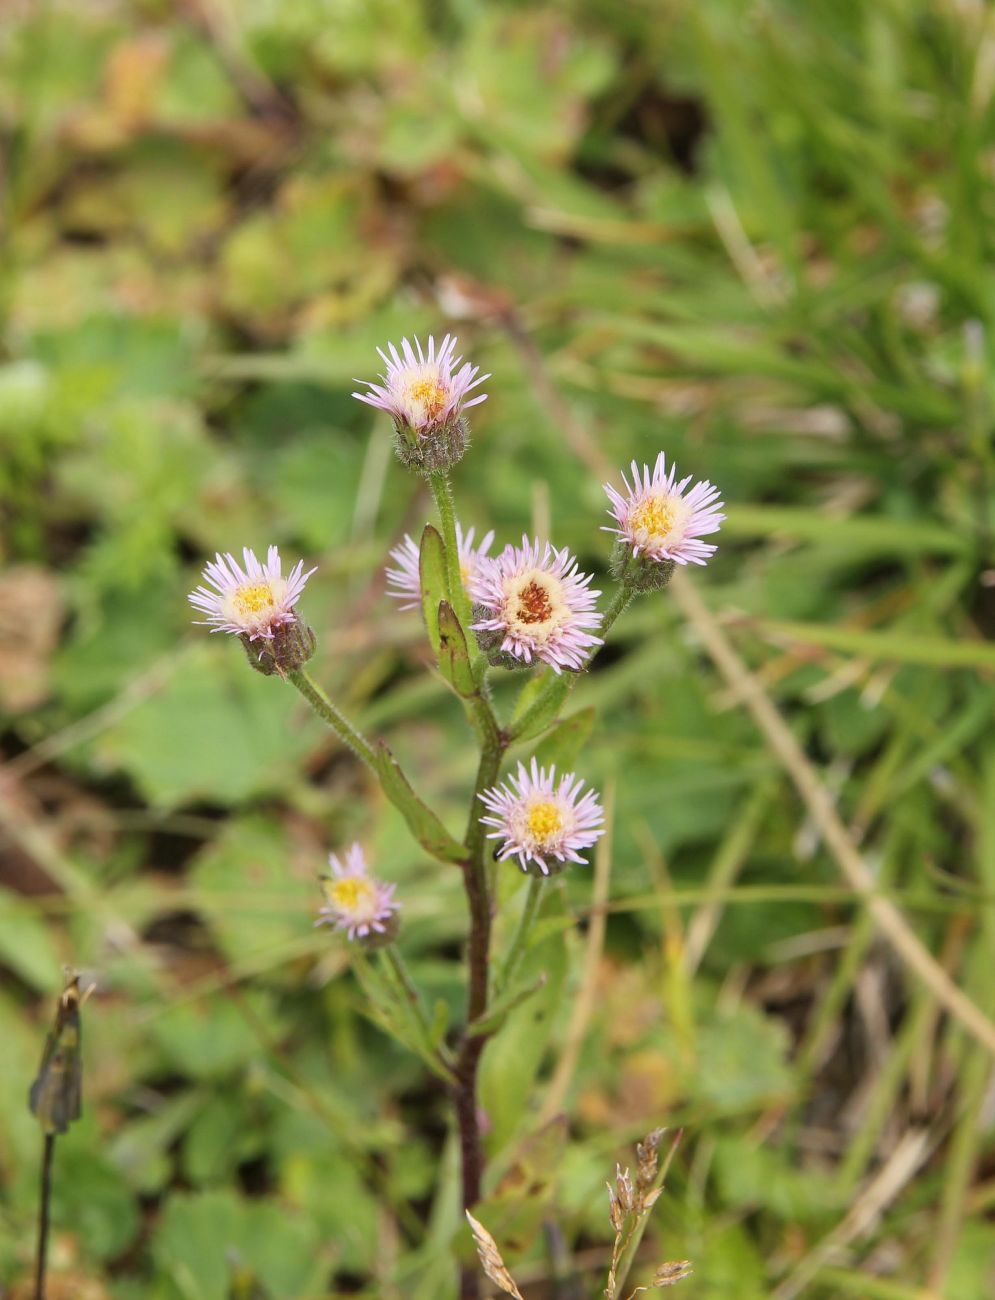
534,605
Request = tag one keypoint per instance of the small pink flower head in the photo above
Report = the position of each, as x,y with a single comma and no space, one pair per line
531,602
539,819
659,519
256,604
425,393
252,602
404,582
356,903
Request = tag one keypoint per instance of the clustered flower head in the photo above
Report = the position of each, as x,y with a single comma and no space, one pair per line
425,391
541,821
256,603
355,902
404,581
659,520
531,602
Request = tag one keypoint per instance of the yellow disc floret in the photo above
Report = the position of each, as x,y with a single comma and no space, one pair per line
252,599
655,518
545,821
428,398
353,896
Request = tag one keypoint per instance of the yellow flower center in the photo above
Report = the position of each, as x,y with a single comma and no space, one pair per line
352,893
544,821
429,396
655,518
253,599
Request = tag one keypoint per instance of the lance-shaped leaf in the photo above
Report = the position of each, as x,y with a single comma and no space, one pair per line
432,575
394,1016
422,822
495,1015
565,741
528,1173
454,658
539,703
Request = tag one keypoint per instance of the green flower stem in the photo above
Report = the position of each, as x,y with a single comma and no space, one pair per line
482,717
392,959
556,691
533,901
327,711
547,703
618,604
443,493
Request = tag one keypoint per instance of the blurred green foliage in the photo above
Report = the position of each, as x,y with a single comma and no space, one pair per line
757,235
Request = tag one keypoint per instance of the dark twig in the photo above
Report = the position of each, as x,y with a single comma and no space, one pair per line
43,1215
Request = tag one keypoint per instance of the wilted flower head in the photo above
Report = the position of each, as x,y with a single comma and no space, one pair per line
531,602
404,582
356,903
659,520
425,392
540,819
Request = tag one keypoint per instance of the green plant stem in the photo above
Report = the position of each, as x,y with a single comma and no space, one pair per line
484,721
392,959
43,1215
472,1044
443,493
618,604
559,686
533,901
327,711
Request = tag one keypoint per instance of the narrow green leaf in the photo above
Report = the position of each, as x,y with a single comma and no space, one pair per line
900,647
394,1016
566,740
424,825
498,1011
432,572
529,694
537,710
454,657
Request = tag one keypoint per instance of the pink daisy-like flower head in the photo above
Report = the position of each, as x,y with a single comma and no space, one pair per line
659,518
531,602
543,822
404,581
256,603
356,903
425,391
